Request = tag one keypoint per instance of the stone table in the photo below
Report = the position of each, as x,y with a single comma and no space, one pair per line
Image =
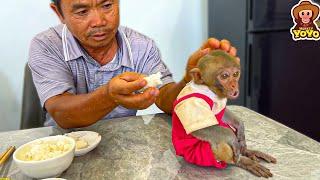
140,148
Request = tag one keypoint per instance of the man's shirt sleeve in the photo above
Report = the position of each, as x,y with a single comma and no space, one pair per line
51,74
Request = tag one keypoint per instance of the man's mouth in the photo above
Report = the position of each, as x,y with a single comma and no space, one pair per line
99,36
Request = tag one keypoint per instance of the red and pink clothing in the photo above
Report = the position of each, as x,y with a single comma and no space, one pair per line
195,108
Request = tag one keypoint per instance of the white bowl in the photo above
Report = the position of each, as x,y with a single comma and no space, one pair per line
52,167
91,137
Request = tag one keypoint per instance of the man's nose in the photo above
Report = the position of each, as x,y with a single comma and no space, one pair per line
97,19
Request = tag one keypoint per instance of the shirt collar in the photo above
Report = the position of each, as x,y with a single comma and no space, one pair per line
206,91
124,51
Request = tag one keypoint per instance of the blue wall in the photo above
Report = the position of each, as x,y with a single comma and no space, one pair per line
178,26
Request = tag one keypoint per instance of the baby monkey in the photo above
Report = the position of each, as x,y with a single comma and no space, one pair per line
202,132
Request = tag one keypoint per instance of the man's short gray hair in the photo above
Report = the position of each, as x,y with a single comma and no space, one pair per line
58,4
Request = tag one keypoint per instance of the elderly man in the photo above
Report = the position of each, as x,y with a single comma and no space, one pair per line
89,68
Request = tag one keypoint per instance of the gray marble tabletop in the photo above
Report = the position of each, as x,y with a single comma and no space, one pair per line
140,148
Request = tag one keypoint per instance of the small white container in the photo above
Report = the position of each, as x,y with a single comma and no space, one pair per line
91,137
52,167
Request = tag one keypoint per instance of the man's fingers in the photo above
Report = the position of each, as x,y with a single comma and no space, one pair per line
152,91
131,87
238,60
233,51
122,88
211,43
139,101
225,45
197,55
130,76
225,41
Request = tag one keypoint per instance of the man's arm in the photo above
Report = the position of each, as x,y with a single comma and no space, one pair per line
74,111
168,94
55,85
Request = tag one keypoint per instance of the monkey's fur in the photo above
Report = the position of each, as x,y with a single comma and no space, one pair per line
221,72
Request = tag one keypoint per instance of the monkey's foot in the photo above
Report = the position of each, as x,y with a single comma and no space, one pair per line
256,155
254,167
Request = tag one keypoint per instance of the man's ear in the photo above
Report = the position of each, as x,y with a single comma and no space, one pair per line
195,73
57,12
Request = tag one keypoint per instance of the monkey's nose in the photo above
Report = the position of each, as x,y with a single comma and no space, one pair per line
234,86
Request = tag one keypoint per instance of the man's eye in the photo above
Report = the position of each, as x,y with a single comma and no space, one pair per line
82,12
107,6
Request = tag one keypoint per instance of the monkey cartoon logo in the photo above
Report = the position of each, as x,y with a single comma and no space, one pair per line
304,15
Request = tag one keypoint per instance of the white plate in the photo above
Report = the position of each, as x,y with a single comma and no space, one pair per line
92,138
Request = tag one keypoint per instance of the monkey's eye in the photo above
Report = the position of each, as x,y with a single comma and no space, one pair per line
302,13
224,76
308,13
236,74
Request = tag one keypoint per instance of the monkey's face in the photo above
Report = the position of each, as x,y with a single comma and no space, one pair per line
220,72
228,80
305,16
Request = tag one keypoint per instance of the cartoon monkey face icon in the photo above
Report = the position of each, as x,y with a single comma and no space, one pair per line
305,14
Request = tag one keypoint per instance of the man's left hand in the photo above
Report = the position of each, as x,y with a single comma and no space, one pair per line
209,45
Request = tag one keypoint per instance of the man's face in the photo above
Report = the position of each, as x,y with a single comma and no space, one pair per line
93,22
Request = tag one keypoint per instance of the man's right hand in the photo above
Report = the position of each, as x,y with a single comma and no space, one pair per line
122,90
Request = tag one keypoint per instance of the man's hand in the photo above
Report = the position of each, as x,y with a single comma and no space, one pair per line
208,46
123,87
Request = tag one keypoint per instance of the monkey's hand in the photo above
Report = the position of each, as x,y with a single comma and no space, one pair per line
222,140
233,142
256,155
236,148
241,137
254,167
238,126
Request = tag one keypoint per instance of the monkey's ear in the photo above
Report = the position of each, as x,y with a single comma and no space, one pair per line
196,75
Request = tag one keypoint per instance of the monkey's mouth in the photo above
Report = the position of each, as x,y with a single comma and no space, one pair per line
306,21
233,94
